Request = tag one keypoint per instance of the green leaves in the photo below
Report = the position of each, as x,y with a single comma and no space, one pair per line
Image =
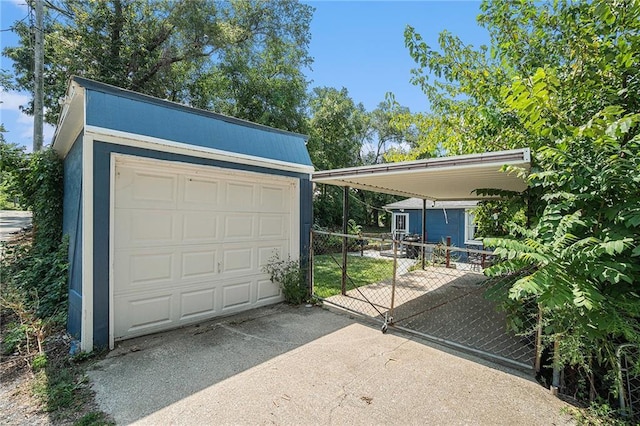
239,57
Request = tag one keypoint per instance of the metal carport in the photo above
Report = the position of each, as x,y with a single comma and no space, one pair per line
435,179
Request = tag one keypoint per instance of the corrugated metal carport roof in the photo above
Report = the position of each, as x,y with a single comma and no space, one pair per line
443,178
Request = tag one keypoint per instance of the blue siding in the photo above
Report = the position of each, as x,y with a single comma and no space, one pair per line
415,221
306,220
72,226
129,112
439,226
102,163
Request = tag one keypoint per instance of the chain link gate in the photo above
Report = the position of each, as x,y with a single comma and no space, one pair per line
434,290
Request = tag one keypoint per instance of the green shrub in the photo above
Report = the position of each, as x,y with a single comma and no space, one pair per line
14,337
39,361
290,277
37,268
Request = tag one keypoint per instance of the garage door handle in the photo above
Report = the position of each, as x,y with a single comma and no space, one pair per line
218,267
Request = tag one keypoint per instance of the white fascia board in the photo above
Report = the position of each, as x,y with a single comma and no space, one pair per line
461,162
86,328
158,144
71,122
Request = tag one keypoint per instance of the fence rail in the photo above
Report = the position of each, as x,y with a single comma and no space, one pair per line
434,290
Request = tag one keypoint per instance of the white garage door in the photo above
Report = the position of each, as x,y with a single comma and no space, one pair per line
190,242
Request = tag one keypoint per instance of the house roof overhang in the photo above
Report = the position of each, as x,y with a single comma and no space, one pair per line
437,179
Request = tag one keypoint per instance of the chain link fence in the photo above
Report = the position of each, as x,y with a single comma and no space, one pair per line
629,381
434,290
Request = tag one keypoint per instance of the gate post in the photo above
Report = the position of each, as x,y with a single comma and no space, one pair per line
345,221
424,231
393,279
310,263
448,255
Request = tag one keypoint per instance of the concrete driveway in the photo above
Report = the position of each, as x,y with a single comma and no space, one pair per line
297,365
12,221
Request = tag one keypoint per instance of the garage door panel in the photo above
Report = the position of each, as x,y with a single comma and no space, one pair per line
200,303
141,269
236,295
274,199
238,226
271,252
240,197
142,315
146,227
273,226
200,227
238,260
145,189
152,267
199,193
201,263
267,290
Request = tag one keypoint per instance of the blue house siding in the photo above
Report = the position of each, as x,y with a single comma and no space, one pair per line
72,226
102,163
439,226
143,115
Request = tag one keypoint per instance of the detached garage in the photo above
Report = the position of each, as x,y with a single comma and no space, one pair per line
171,211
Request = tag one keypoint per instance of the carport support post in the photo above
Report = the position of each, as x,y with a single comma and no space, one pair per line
345,221
393,280
424,229
310,265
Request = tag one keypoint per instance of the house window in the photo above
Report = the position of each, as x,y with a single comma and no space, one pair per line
400,224
470,228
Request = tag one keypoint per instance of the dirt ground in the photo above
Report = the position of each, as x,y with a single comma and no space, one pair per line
20,404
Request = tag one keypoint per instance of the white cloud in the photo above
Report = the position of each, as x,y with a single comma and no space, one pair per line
26,131
13,100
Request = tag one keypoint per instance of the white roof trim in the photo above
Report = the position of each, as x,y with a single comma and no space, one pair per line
71,120
142,141
436,179
416,204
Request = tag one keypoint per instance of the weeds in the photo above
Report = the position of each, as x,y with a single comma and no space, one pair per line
597,415
290,277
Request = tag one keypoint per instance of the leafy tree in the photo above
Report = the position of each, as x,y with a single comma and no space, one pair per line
13,161
384,135
207,53
562,78
463,87
337,129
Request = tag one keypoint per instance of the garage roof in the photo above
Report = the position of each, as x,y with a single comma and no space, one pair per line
443,178
98,106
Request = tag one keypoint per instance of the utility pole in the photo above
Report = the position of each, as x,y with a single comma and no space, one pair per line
38,71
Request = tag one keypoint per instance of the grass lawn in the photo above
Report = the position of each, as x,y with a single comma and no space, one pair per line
362,270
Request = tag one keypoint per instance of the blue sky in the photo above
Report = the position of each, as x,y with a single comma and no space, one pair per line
358,45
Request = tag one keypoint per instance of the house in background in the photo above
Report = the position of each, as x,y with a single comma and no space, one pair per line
172,212
443,218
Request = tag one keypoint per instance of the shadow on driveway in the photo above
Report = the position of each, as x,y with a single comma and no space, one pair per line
297,365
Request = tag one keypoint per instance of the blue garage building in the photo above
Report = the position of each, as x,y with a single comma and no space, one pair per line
172,211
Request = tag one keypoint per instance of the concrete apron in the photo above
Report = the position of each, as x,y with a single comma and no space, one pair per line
297,365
